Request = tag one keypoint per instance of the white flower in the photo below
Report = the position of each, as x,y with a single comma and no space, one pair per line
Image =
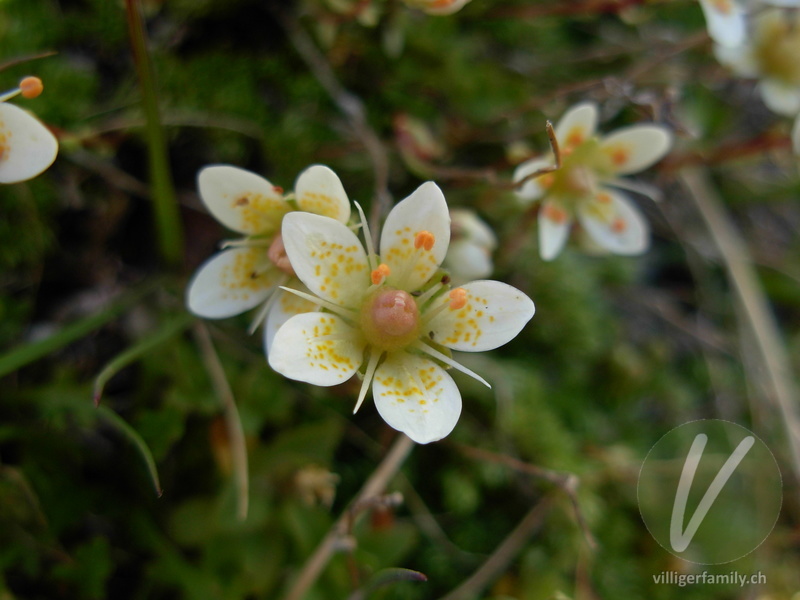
796,135
26,146
726,21
472,242
770,53
247,271
583,187
438,7
391,314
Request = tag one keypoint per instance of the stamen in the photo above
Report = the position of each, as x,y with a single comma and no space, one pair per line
262,313
374,357
424,239
428,294
371,256
334,308
380,274
31,87
246,243
458,298
422,347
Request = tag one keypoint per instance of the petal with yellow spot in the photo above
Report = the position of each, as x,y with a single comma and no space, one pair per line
285,306
327,257
416,396
415,237
319,190
633,149
621,228
318,348
241,200
577,125
492,315
231,282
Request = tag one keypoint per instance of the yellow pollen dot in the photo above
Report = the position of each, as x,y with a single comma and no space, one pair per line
30,87
554,213
424,239
379,274
620,156
458,298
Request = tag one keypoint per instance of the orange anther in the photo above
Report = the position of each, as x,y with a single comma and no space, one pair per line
277,189
619,225
554,213
458,298
30,87
380,274
424,239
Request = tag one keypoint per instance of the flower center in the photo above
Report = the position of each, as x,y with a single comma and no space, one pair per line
390,319
277,255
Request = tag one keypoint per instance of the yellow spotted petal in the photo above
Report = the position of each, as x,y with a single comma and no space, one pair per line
488,315
285,306
241,200
415,238
318,348
327,257
232,282
577,125
614,222
416,396
633,149
26,146
318,190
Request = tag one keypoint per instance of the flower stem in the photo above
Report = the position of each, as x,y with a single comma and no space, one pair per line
165,204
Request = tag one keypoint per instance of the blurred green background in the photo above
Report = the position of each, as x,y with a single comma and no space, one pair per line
620,351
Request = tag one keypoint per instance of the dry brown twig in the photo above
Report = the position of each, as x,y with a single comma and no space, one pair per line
373,488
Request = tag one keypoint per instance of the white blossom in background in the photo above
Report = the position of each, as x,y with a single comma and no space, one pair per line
391,314
26,146
796,135
248,272
438,7
726,21
585,188
471,245
770,53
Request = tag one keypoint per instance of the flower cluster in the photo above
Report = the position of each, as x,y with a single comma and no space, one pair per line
26,146
248,272
391,316
585,186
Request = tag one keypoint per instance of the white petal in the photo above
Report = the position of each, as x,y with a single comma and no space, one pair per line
725,20
739,59
416,396
423,212
577,125
241,200
780,98
443,7
232,282
467,261
318,348
285,306
327,257
633,149
466,224
319,190
532,189
493,315
26,146
615,223
554,226
796,135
